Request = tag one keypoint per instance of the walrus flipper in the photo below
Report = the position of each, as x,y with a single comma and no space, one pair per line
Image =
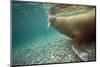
82,55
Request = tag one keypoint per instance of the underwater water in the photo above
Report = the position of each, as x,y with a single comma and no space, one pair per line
33,42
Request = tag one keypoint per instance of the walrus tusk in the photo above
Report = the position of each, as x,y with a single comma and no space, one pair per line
49,24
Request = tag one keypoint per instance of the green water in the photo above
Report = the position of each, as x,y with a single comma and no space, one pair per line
29,21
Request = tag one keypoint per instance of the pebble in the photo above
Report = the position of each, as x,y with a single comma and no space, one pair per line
52,57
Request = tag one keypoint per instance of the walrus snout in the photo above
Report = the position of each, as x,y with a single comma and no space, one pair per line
52,19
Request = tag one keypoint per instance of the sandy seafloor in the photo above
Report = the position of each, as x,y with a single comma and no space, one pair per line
55,48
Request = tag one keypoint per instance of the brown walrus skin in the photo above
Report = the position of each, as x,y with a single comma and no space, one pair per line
81,27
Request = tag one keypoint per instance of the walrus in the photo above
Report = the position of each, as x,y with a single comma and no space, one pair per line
76,21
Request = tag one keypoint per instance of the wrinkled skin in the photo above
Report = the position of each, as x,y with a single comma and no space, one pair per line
80,27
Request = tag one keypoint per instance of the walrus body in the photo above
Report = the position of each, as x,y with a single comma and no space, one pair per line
79,23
